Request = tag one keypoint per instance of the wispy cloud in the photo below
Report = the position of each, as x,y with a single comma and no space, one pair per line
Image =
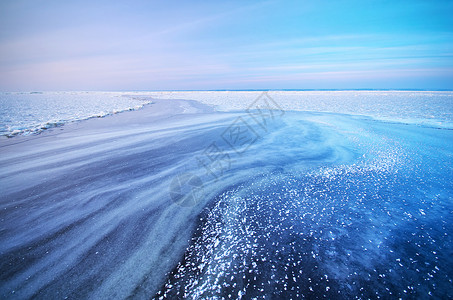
223,45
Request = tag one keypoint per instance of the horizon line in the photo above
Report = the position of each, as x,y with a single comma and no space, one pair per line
234,90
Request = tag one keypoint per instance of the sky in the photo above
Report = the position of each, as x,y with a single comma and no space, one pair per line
204,45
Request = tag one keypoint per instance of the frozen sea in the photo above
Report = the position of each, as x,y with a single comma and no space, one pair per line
32,112
230,195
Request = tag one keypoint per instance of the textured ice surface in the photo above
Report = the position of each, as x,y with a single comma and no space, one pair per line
319,205
372,219
24,113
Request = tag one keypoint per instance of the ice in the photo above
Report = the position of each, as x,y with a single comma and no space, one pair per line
433,108
317,205
328,230
31,113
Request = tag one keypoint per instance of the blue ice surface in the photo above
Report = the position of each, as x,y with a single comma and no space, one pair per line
348,207
304,205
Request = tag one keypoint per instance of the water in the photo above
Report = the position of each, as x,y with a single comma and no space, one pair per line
301,204
25,113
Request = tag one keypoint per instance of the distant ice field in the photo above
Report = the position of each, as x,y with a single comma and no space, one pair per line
432,108
26,113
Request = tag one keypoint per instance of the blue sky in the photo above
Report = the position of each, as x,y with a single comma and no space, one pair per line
179,45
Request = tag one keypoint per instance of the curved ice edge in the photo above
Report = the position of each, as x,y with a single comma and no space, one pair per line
425,123
37,129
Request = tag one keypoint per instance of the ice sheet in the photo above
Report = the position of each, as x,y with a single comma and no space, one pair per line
306,203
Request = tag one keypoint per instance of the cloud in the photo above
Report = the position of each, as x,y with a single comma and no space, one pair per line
221,45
